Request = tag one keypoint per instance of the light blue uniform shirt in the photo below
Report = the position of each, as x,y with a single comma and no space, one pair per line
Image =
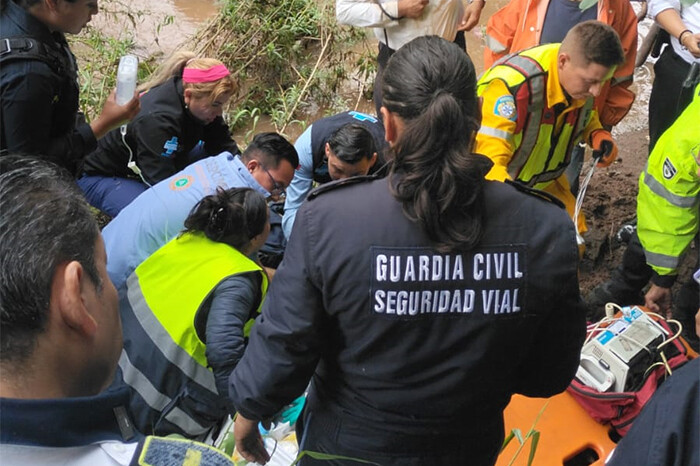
301,183
158,214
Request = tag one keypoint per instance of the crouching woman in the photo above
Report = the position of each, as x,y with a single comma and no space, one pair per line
187,311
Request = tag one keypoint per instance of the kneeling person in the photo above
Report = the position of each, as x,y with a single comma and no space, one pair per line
537,105
180,348
340,146
158,215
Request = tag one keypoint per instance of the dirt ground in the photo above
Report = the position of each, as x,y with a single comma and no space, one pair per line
610,203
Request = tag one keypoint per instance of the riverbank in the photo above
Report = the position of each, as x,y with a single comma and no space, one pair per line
158,28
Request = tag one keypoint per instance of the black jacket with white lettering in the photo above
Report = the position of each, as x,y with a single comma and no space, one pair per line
394,335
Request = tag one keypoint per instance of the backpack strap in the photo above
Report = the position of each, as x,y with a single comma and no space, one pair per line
28,48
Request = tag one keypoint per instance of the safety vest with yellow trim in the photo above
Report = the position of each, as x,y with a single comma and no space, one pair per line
668,203
164,361
519,24
538,139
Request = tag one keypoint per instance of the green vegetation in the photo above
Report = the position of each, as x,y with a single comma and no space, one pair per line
290,57
532,434
98,57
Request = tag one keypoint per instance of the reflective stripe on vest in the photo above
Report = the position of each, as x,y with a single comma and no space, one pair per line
199,263
162,340
661,191
535,80
157,400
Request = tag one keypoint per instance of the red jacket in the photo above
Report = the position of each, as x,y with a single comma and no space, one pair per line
518,26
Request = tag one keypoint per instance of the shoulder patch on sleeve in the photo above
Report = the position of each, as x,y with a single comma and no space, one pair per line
505,107
669,171
166,451
536,192
333,185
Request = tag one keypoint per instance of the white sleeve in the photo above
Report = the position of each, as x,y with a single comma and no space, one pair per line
657,6
367,13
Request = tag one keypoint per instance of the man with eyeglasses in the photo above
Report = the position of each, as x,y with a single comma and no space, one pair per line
158,214
278,192
333,148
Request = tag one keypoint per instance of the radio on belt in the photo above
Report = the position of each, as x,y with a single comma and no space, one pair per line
621,350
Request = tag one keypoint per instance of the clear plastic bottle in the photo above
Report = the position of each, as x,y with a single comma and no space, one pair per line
126,78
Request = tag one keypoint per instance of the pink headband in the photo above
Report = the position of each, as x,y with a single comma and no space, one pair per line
193,75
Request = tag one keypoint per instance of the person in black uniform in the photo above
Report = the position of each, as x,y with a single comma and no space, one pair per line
336,147
418,318
180,122
667,431
38,83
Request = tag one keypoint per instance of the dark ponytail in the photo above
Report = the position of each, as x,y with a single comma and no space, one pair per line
431,84
232,216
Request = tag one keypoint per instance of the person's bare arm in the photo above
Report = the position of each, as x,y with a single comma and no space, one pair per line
113,115
658,299
671,21
249,442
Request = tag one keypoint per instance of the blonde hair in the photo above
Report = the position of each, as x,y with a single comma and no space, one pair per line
174,65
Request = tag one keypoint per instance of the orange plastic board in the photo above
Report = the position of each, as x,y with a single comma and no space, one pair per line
565,430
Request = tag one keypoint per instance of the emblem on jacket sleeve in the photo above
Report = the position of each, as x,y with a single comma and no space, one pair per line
669,171
170,146
505,107
183,182
363,117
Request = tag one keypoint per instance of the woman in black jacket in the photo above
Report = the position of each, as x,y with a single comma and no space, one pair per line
418,303
39,87
180,122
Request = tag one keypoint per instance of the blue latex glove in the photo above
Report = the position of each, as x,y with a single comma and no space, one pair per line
292,411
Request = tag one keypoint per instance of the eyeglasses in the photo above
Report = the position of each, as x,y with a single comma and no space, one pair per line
277,189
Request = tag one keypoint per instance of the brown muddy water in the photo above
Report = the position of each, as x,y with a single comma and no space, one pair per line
157,28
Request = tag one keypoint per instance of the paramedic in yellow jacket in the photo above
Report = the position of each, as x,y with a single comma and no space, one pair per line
186,314
537,105
521,24
668,215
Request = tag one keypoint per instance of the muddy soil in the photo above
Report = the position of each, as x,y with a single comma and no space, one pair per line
610,203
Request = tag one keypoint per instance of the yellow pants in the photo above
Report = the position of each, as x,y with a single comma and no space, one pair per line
560,189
